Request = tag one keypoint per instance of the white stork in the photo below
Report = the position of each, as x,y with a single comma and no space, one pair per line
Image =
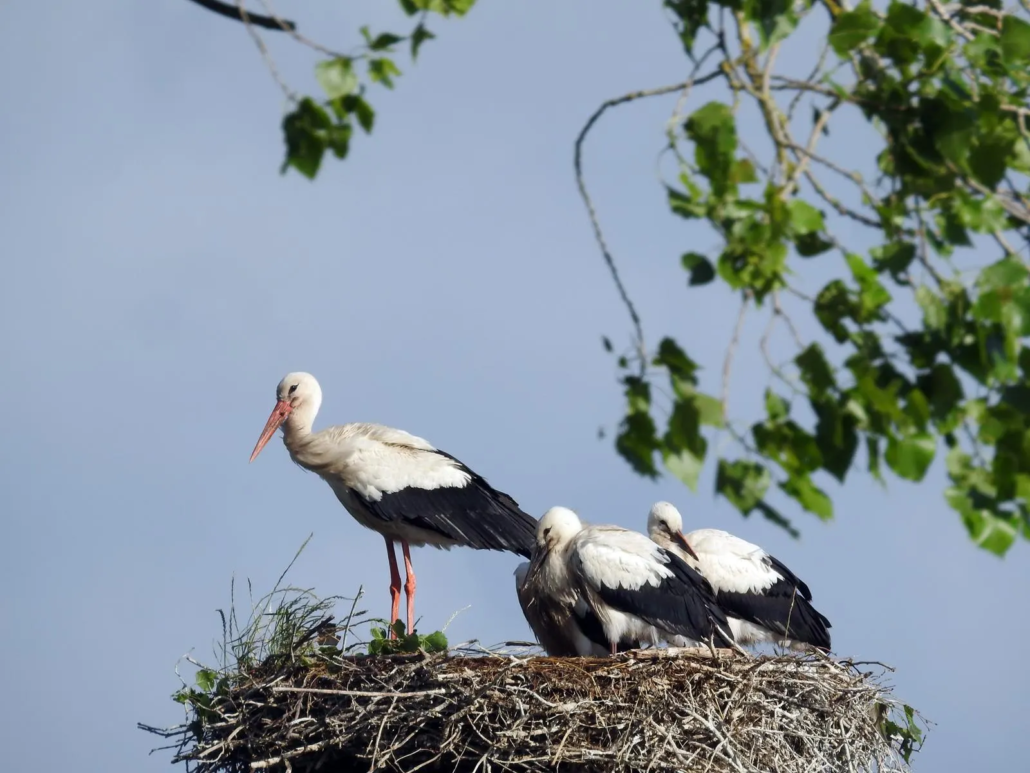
563,624
638,590
396,484
763,599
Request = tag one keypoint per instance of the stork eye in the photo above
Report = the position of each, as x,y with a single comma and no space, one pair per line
293,389
547,531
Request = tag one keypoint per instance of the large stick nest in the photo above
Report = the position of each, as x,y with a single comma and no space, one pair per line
645,711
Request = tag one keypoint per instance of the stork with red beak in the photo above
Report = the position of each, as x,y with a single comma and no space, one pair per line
396,484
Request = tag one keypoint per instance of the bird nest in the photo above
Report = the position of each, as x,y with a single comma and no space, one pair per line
649,710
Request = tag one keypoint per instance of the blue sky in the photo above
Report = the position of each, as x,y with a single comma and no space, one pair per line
162,277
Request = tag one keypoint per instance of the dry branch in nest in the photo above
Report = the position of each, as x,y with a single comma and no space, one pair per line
650,710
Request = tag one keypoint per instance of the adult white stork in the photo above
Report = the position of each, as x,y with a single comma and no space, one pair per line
396,484
563,623
638,590
763,599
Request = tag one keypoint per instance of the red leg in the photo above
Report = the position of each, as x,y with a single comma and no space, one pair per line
615,648
395,585
409,586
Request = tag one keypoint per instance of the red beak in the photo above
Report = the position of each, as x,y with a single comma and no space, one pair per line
279,414
680,540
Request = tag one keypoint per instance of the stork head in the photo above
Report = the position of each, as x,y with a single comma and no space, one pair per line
665,525
297,393
558,526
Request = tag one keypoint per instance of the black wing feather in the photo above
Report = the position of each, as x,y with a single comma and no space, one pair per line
682,604
785,607
475,515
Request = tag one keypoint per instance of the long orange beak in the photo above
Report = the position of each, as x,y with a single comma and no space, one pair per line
279,414
679,539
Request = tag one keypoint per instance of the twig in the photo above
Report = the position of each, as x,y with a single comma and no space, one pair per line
246,17
265,22
361,693
727,363
588,201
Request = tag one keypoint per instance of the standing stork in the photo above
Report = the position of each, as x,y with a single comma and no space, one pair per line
638,590
396,484
764,600
563,623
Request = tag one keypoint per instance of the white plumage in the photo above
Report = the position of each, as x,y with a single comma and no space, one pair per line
763,600
397,484
638,591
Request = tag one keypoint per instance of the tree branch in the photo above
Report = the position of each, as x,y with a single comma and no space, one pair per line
231,12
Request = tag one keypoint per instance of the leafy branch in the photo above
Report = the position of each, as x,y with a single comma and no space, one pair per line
942,89
945,89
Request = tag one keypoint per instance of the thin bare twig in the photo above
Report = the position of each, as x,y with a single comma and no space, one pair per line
588,201
731,350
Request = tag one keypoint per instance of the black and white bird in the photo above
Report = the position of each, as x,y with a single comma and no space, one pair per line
763,599
397,484
638,590
564,625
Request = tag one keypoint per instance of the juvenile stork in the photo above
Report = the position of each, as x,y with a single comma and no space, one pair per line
564,626
396,484
638,590
763,599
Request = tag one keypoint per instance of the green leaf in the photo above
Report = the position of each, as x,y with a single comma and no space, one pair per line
775,19
853,28
305,131
1015,40
776,407
364,112
872,447
709,409
714,133
206,679
987,530
435,642
935,315
337,77
685,465
691,16
804,218
383,71
836,437
944,391
384,40
744,172
833,305
810,245
1005,273
418,37
910,456
685,206
681,368
701,269
989,158
809,496
637,442
872,295
894,257
815,370
742,483
983,215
